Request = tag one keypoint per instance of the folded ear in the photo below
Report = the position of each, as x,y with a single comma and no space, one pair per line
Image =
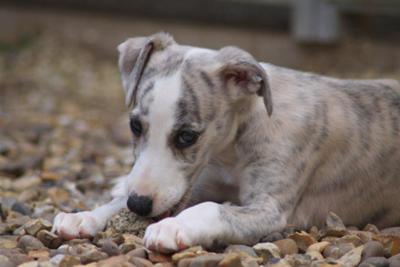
134,54
243,75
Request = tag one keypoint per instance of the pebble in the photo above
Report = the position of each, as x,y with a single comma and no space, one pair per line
115,261
40,254
241,248
5,262
8,242
28,242
303,240
338,250
49,239
140,262
320,246
372,249
394,261
110,248
28,182
208,260
391,231
65,260
267,251
21,208
351,258
298,260
158,257
188,253
138,252
287,246
15,255
335,226
32,227
375,261
231,260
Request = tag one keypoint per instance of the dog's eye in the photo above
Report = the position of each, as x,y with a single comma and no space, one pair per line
185,139
136,127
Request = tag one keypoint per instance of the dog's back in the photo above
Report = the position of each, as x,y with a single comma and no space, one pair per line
347,145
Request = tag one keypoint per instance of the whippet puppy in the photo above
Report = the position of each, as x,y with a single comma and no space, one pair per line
235,149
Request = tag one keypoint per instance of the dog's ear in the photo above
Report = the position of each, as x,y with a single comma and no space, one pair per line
242,74
134,54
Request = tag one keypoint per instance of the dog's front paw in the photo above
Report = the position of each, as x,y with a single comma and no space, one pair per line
76,225
168,235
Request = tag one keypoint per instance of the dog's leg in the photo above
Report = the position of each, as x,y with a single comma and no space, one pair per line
87,223
209,223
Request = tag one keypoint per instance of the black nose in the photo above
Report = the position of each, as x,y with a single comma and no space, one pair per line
141,205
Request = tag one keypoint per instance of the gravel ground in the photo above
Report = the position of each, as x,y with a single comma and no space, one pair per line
64,137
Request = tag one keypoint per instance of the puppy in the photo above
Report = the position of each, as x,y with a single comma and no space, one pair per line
236,149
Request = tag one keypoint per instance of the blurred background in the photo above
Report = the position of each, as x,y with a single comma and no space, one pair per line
62,116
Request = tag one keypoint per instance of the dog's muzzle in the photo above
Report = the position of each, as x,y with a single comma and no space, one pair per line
141,205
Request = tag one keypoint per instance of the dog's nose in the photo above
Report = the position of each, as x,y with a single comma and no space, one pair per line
141,205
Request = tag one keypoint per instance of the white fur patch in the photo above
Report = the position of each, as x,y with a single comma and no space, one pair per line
156,172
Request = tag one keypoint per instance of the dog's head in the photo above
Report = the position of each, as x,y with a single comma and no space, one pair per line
182,101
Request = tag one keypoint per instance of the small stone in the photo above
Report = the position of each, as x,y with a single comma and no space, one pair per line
372,249
8,242
21,208
315,255
363,235
394,261
91,255
5,262
352,258
138,252
208,260
298,260
336,251
303,240
231,260
272,237
335,226
140,262
156,257
28,182
127,222
376,262
287,246
15,255
391,243
110,248
48,176
49,239
126,247
280,263
65,260
241,248
40,254
267,251
353,239
58,196
29,264
371,228
115,261
188,253
391,231
320,246
164,264
32,227
28,242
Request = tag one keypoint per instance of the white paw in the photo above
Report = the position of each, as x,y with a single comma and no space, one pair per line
168,235
197,225
76,225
